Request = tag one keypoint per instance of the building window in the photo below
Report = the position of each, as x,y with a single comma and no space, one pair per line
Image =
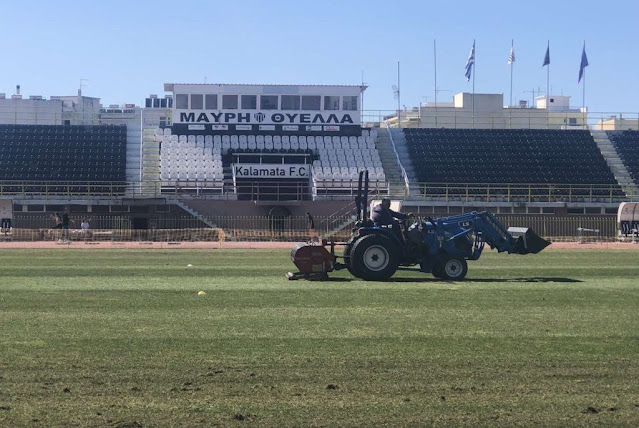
349,103
311,102
290,102
181,101
249,102
268,102
197,101
211,101
229,102
331,103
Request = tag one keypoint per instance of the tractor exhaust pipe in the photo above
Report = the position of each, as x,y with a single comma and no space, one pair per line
527,241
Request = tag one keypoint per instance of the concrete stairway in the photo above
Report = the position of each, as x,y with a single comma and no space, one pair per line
615,163
185,206
133,148
392,170
149,187
404,157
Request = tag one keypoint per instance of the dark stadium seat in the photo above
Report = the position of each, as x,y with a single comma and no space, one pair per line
63,153
520,156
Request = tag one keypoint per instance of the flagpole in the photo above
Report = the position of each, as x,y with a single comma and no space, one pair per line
435,64
361,116
583,96
474,73
512,64
548,82
584,102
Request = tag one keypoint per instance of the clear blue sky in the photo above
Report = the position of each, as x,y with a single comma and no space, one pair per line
129,49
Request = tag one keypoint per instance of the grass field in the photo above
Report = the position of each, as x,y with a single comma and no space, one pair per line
121,338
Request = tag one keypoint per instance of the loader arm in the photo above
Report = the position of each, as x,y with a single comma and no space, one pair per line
487,229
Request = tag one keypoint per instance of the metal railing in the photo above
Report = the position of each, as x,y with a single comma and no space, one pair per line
398,160
517,193
339,190
507,118
560,228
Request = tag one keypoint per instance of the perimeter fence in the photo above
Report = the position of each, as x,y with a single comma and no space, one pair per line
263,228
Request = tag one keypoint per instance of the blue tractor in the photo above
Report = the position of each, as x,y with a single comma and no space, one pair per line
439,246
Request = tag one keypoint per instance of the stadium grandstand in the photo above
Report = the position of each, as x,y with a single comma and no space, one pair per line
206,154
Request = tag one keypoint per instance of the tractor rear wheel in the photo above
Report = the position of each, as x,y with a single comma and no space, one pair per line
347,259
374,258
453,268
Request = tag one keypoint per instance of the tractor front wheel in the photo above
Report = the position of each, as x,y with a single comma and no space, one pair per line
452,269
374,258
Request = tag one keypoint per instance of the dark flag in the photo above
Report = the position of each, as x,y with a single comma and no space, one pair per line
583,65
547,57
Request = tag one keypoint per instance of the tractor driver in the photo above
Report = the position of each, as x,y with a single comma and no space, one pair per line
382,215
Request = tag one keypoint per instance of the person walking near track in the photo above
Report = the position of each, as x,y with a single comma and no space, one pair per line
65,225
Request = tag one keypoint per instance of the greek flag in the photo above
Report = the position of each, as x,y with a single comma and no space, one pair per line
470,63
511,56
583,65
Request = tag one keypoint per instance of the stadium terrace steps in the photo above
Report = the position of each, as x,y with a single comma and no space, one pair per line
133,156
615,163
388,159
184,205
150,162
404,157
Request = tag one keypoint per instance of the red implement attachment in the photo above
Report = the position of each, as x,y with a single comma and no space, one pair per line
313,262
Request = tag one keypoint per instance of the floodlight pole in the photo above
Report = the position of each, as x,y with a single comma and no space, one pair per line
399,119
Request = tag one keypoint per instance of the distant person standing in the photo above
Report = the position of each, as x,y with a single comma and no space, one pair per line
310,222
65,225
310,225
85,228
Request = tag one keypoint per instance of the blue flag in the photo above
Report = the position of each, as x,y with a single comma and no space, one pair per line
584,64
547,57
470,63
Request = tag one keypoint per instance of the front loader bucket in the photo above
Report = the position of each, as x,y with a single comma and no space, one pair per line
527,241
